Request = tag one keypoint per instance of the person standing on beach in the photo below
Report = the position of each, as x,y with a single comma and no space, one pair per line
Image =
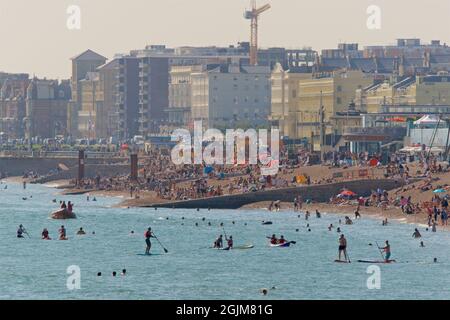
343,247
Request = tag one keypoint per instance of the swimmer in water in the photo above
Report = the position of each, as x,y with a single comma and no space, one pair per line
416,234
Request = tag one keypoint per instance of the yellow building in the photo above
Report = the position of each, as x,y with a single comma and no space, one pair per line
334,91
285,99
420,90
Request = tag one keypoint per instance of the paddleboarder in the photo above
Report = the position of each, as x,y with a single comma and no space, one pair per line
387,251
229,242
20,231
343,247
218,244
148,234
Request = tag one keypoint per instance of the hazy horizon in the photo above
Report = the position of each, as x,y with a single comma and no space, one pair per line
35,38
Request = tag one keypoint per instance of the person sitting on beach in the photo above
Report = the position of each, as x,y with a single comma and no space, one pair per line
218,244
81,232
416,234
45,234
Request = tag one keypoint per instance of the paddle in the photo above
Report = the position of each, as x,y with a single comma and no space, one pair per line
379,249
165,250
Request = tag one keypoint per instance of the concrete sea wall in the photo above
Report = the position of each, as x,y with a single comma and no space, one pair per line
317,193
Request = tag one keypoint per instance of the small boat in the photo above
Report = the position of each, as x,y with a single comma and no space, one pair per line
282,245
63,214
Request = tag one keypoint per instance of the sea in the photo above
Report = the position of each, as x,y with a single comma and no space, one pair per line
32,268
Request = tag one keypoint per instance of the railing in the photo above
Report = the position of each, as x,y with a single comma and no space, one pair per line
58,154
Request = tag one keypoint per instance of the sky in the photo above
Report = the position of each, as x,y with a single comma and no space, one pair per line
35,38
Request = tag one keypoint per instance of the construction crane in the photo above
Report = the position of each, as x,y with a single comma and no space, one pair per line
253,15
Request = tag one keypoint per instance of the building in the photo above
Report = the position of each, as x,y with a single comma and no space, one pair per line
412,90
285,97
46,108
127,95
153,94
332,91
180,94
230,96
87,61
13,91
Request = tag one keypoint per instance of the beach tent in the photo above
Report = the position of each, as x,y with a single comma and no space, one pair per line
428,119
348,193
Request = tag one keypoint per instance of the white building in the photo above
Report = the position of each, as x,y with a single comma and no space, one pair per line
230,96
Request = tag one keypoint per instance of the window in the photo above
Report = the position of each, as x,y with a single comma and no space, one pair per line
294,93
338,100
339,88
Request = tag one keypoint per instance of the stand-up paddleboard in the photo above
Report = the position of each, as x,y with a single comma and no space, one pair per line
245,247
377,261
283,245
148,255
341,261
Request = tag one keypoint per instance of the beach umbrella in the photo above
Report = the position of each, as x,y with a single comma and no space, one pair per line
439,191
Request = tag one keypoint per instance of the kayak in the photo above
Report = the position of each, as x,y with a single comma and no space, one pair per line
377,261
341,261
284,245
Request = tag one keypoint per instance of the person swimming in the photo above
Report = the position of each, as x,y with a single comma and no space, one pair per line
45,234
416,234
62,233
81,232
